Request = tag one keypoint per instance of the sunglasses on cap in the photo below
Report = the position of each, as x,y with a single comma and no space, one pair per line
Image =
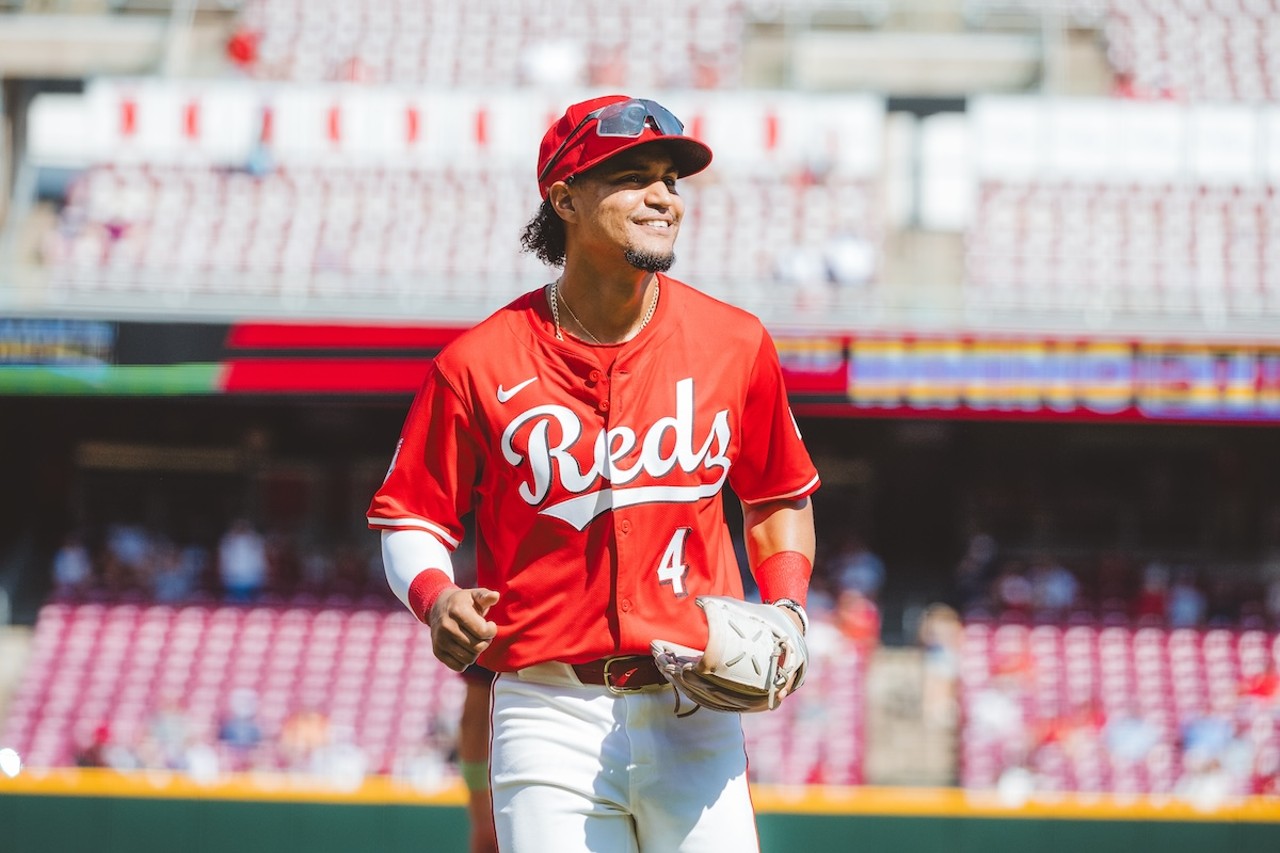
624,119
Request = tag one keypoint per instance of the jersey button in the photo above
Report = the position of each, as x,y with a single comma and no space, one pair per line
625,527
603,405
594,376
625,605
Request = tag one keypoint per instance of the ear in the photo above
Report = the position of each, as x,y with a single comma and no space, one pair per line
561,197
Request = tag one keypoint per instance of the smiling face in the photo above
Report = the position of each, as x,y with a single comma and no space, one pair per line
628,208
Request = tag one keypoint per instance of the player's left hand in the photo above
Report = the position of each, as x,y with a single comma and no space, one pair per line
755,657
459,630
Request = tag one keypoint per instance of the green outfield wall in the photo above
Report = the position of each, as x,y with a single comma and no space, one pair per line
101,813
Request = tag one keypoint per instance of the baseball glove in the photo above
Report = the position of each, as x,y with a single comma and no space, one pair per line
755,656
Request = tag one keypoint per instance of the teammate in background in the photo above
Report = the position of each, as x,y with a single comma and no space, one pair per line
591,425
473,757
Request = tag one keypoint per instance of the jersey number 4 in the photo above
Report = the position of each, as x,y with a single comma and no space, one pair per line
673,569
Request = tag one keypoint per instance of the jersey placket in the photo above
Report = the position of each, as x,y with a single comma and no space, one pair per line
609,384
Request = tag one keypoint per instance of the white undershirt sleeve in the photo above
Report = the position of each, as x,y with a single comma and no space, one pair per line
407,553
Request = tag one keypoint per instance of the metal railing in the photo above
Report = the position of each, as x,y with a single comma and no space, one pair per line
28,289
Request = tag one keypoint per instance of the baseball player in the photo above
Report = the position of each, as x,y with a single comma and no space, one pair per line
591,426
473,758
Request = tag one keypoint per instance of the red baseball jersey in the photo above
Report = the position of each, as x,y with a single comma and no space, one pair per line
596,473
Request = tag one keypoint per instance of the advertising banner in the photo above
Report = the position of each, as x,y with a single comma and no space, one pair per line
959,376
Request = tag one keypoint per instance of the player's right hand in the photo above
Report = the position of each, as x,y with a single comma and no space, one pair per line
459,631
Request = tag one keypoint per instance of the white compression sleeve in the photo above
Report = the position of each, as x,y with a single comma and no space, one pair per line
407,553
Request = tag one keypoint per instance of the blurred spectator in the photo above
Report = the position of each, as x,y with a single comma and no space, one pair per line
340,762
72,567
1054,588
554,64
1186,603
170,742
801,267
102,750
1078,730
850,260
1223,606
315,567
1272,601
1152,601
941,636
202,763
858,620
1262,687
1013,590
1129,736
302,735
129,543
1205,784
170,732
239,731
127,555
1218,758
424,766
995,712
855,567
1266,776
242,562
973,573
175,572
242,47
94,753
1212,736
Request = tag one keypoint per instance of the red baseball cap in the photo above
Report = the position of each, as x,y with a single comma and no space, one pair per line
571,146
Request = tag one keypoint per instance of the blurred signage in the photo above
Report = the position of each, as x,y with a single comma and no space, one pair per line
1088,378
813,365
32,341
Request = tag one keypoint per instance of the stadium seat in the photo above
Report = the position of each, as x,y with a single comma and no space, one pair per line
1167,676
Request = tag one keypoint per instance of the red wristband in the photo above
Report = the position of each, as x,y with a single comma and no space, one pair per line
425,589
784,575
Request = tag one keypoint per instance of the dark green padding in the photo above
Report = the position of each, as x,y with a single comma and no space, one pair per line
70,824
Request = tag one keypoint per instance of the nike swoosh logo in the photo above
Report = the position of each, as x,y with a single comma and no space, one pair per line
504,395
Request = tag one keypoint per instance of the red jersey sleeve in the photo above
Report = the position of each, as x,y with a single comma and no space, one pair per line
433,471
773,463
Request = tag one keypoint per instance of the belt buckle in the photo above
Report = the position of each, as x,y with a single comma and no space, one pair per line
608,677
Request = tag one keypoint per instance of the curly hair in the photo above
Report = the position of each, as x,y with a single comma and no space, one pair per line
544,236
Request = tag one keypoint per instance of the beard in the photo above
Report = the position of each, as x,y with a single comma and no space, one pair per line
649,261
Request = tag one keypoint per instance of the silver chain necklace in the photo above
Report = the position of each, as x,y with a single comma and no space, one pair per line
555,298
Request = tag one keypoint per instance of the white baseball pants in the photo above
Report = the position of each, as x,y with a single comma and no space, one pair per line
578,768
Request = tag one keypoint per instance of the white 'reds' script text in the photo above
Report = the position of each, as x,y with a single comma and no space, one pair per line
547,462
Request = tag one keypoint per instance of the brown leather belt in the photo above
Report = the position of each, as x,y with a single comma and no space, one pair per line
620,674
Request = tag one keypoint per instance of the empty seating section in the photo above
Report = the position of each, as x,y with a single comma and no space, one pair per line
1198,50
224,190
658,44
1166,248
1110,708
1126,208
311,233
369,671
1191,50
